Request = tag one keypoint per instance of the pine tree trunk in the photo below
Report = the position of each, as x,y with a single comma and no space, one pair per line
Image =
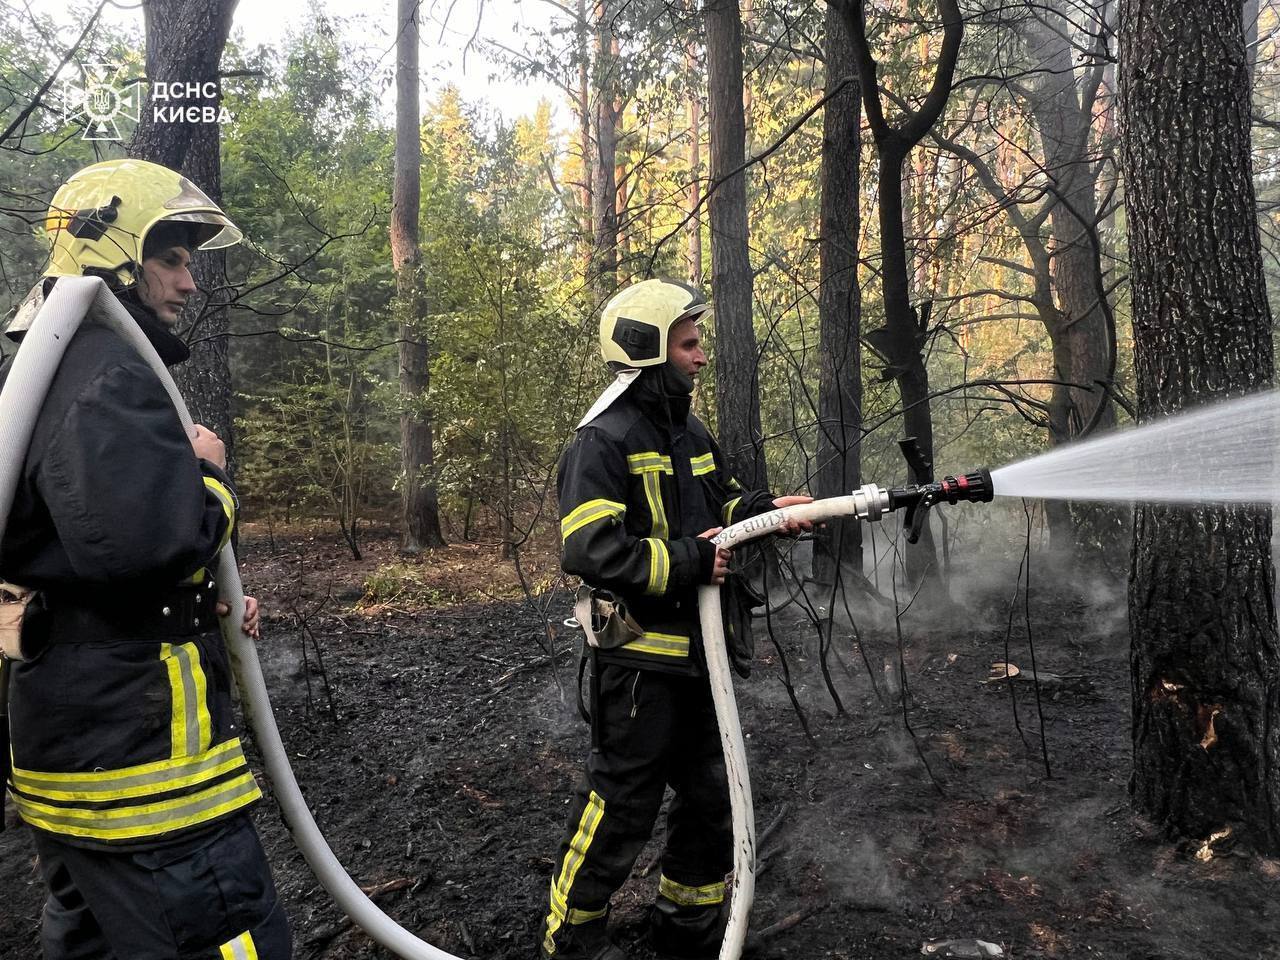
583,107
1205,653
604,189
419,502
737,362
184,46
695,172
838,545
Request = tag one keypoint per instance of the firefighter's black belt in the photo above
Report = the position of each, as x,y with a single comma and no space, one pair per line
184,612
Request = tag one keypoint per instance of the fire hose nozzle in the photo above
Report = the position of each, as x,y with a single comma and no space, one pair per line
975,487
917,499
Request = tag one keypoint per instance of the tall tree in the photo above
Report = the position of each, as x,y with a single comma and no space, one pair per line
1078,322
904,336
694,254
1205,653
184,52
839,544
608,112
737,361
421,509
582,107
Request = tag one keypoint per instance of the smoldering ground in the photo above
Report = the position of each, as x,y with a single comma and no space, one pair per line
441,780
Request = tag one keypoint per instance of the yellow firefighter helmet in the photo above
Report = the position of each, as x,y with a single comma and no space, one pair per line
99,219
635,322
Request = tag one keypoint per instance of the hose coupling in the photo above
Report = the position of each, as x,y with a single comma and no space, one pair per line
872,502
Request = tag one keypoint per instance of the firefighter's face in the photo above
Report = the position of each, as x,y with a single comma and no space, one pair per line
166,283
684,348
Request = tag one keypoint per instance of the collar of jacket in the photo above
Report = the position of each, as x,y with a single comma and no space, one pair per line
171,347
664,394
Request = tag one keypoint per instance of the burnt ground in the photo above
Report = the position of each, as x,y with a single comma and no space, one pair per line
442,774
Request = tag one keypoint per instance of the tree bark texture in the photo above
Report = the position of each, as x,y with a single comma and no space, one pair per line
1205,655
419,501
604,189
838,545
737,360
184,46
903,338
694,228
584,131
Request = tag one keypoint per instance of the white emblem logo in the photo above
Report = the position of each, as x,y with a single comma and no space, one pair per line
98,98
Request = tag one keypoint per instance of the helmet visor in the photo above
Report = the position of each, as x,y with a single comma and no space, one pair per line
214,231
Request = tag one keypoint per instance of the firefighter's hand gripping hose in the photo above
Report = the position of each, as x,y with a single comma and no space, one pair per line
73,300
867,503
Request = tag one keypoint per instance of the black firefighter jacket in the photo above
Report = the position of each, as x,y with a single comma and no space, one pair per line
122,735
636,487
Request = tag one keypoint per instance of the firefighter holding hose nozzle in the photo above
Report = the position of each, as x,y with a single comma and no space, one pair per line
642,488
126,761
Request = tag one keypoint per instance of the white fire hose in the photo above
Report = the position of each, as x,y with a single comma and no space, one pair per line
73,300
867,503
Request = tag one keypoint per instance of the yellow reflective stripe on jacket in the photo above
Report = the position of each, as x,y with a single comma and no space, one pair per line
686,896
228,501
589,512
588,823
191,729
653,494
703,465
148,779
659,567
143,820
729,508
659,644
649,461
241,948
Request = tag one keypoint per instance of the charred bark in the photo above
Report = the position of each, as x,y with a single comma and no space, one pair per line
737,361
1205,654
419,501
838,545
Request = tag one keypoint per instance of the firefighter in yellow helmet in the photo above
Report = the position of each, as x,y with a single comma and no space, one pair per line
126,764
642,488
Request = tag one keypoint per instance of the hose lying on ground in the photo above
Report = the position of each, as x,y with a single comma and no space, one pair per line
73,300
867,503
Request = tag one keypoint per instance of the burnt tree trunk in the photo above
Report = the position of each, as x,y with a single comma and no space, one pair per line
1205,655
838,545
419,502
904,336
737,362
184,46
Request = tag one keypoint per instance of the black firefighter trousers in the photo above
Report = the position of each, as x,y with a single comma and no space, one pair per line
209,897
654,729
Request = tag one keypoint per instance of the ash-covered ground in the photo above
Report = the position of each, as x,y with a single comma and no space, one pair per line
442,772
